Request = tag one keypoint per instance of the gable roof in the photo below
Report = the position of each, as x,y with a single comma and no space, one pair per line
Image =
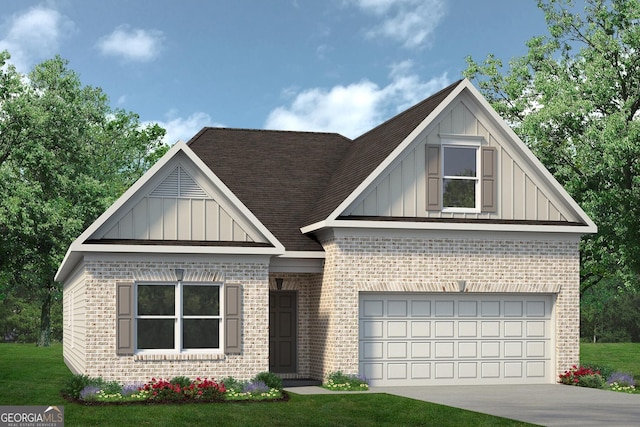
278,175
369,150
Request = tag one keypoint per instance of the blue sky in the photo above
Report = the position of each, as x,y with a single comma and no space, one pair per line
319,65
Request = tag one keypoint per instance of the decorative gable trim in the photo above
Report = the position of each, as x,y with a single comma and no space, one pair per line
179,184
80,245
430,185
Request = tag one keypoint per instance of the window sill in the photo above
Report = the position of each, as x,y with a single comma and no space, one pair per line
178,356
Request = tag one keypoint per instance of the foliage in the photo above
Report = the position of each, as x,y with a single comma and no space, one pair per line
270,379
76,384
621,378
582,376
65,156
343,382
200,389
604,370
22,365
574,99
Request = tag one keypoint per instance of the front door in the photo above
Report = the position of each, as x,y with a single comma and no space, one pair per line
282,332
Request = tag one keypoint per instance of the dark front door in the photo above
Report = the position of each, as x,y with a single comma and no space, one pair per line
282,331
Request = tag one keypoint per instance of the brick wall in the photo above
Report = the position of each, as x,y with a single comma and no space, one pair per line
423,263
100,283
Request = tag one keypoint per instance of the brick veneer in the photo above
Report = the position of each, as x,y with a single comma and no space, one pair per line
100,283
508,263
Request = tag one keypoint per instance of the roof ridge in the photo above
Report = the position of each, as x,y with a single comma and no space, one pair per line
413,107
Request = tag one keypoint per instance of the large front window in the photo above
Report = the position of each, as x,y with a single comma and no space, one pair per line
460,183
178,316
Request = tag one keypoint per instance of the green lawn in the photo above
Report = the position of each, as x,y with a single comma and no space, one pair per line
624,357
34,376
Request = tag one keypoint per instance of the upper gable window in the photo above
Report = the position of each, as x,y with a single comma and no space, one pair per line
460,180
462,176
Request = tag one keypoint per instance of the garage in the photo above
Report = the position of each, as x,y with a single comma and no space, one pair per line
448,339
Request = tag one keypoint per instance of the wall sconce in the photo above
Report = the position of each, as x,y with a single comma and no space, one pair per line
179,274
279,281
462,284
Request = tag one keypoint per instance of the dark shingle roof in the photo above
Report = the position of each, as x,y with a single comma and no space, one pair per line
278,175
293,179
369,150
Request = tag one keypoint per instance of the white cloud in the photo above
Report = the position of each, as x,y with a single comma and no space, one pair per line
132,44
180,128
35,35
356,108
410,22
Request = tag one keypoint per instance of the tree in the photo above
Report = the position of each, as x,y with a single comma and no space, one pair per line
65,156
574,98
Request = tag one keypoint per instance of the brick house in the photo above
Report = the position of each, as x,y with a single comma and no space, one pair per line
433,249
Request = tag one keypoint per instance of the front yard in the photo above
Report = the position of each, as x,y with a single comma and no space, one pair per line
35,376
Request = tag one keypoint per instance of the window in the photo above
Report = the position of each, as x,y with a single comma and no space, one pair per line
460,178
178,316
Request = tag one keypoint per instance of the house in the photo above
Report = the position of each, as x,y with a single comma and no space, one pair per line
433,249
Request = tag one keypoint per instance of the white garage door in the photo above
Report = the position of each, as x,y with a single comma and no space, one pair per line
429,339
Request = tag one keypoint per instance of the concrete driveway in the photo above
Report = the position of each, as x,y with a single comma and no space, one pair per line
547,405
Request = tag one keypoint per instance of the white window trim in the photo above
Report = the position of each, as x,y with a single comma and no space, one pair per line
178,316
467,144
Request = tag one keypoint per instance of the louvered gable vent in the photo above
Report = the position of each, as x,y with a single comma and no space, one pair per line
179,184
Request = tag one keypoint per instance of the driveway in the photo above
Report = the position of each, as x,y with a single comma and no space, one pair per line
547,405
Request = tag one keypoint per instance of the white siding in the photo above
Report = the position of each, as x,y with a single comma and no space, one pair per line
75,319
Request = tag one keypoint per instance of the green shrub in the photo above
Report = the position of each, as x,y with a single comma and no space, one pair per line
270,379
75,384
591,381
339,381
231,383
605,370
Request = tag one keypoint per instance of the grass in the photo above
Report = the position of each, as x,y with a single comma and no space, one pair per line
34,376
624,357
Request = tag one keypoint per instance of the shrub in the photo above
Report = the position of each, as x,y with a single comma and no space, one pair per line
77,383
89,393
231,383
621,378
591,381
339,381
604,370
181,381
270,379
582,376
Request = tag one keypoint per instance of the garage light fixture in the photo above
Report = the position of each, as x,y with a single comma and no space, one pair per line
279,281
462,284
179,274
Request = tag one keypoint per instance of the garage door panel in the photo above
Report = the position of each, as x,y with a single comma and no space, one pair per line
397,329
397,309
424,339
397,350
444,329
420,308
372,329
420,329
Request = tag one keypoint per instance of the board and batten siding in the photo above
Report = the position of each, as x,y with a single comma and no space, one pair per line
182,205
401,191
172,218
74,301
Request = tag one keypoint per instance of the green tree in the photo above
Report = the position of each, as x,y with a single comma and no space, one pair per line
65,156
574,98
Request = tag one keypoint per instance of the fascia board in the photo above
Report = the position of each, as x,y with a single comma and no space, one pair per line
399,225
167,249
395,153
313,227
303,254
592,228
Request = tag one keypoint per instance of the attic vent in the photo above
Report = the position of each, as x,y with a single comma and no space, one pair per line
179,184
